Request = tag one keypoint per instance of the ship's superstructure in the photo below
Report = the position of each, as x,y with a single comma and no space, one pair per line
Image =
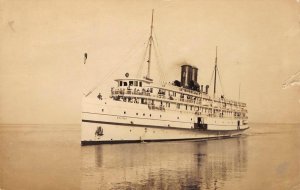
139,110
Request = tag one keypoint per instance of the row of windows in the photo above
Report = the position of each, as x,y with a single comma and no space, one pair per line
190,108
131,83
151,115
221,114
189,97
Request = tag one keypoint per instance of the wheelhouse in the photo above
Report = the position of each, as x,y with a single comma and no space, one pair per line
133,82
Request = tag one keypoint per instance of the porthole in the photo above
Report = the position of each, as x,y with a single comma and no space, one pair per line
150,115
137,113
143,114
159,115
124,112
177,117
102,110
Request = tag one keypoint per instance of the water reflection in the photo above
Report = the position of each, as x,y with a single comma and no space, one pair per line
172,165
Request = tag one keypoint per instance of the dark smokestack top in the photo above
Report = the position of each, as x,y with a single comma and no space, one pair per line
189,75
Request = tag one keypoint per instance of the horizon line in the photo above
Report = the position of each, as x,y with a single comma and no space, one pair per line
285,123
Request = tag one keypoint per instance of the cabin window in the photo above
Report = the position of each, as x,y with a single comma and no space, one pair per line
186,107
125,84
130,83
140,84
151,90
168,104
178,106
135,83
191,107
121,83
143,101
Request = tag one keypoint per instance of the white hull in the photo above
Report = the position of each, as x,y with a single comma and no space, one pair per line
127,133
141,124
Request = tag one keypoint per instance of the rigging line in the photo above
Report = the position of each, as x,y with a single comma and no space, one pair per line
156,53
212,75
221,82
158,64
161,70
160,57
129,55
159,52
156,41
139,72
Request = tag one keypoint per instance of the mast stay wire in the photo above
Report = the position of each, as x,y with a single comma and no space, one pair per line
140,70
159,55
116,68
158,62
156,41
222,88
129,55
220,80
212,76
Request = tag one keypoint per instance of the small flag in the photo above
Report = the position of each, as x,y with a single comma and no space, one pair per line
85,57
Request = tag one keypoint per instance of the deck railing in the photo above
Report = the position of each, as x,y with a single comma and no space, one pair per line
164,96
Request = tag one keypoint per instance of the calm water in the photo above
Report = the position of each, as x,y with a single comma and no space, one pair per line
50,157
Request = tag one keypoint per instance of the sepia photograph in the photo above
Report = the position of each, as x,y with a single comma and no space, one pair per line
151,94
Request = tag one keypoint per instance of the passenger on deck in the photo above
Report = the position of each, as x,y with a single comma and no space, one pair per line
99,96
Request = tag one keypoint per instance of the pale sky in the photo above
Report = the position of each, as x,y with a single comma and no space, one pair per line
42,43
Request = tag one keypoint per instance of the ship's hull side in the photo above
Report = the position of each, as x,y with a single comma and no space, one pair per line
107,122
124,133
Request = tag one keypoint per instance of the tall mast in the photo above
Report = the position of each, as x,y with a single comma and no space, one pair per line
215,79
150,45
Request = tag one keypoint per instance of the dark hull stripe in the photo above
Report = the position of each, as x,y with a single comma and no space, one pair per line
145,117
177,121
84,143
162,127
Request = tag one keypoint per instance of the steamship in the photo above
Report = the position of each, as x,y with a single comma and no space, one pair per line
141,110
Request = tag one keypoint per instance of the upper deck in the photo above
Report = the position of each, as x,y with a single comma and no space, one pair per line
172,97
